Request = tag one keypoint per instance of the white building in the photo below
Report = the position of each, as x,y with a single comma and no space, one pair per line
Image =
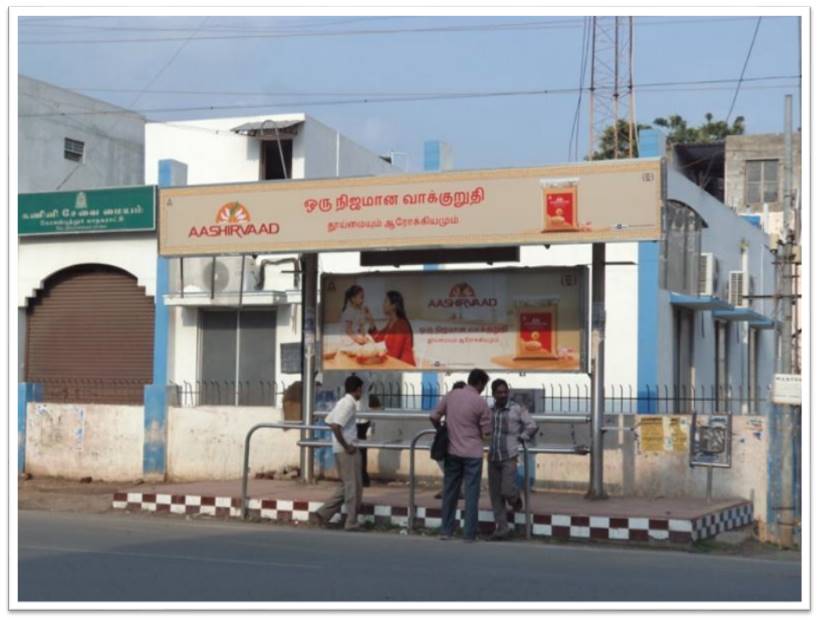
69,142
214,346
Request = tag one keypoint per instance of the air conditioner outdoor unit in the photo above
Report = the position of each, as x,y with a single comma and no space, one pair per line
735,291
222,273
708,274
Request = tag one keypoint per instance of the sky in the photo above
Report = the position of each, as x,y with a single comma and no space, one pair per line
247,66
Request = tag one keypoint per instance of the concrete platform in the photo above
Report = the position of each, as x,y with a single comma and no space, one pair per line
680,520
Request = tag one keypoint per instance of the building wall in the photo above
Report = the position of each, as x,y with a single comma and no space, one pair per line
74,441
739,149
214,154
207,443
114,143
725,236
325,153
43,256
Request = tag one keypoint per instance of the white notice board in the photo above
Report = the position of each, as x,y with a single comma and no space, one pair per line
787,389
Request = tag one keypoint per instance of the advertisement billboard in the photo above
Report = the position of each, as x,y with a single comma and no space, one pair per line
578,203
505,319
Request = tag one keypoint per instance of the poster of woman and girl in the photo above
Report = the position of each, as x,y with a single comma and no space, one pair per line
359,324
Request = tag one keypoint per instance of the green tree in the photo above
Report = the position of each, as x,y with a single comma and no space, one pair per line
710,131
605,148
678,132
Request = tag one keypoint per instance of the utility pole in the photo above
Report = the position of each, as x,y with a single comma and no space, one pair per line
787,508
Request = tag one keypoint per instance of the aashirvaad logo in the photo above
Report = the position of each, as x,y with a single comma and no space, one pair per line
233,220
462,295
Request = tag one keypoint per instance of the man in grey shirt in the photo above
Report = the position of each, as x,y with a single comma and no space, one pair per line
510,423
468,420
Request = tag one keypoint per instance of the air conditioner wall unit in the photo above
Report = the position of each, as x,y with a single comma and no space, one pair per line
708,274
222,273
735,290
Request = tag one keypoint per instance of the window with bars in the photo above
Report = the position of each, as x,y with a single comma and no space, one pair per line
74,150
679,258
762,181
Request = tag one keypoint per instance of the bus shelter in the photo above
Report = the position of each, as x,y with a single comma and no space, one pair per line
584,203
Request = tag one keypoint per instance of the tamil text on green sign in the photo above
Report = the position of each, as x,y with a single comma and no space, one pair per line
103,210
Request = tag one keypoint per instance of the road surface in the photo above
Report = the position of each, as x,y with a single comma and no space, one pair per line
121,557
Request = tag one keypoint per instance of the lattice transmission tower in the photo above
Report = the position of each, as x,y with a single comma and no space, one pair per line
612,100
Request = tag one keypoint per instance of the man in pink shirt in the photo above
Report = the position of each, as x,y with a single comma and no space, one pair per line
468,420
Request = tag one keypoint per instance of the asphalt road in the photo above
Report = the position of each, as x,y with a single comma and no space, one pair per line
120,557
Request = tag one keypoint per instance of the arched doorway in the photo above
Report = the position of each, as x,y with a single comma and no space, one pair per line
89,337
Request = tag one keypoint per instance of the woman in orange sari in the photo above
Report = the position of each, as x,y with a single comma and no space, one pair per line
397,335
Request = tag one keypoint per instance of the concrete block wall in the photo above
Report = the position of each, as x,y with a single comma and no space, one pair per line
207,443
739,149
75,441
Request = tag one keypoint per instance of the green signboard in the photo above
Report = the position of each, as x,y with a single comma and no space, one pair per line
97,210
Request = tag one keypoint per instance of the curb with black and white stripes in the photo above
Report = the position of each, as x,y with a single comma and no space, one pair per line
560,526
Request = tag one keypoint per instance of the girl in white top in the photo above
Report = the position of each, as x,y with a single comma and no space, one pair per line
355,316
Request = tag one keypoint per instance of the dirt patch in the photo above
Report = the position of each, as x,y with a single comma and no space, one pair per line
61,495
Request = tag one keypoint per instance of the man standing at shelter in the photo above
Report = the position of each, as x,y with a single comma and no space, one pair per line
468,420
510,423
341,421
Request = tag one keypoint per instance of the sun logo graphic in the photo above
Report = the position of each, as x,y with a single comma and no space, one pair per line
462,289
232,213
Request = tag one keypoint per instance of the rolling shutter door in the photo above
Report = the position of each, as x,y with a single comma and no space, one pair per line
90,337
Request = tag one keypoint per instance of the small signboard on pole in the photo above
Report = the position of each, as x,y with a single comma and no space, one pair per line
710,441
787,389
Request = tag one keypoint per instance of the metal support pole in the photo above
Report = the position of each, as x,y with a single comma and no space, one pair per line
309,326
596,489
709,497
410,521
526,491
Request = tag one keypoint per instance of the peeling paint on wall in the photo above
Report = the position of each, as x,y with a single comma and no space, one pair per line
756,427
74,441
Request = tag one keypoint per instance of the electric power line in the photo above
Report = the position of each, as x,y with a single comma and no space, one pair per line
706,177
28,24
375,94
573,139
497,27
323,103
743,69
331,102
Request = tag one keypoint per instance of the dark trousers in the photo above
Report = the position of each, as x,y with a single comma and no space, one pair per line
503,489
461,471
